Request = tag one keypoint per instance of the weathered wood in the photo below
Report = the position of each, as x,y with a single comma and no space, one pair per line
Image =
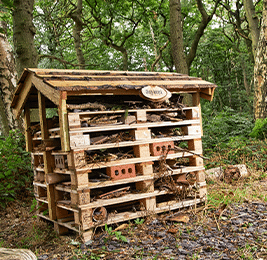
196,102
63,122
69,204
22,99
46,90
53,178
133,126
28,136
42,116
16,254
135,143
100,165
177,84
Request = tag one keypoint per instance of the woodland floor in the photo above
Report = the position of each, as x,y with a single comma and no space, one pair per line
231,225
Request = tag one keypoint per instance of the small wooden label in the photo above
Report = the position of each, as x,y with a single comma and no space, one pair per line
154,92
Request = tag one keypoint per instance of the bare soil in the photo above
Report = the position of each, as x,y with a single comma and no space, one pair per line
157,237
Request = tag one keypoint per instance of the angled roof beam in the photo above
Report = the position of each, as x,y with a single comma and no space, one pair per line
46,90
24,96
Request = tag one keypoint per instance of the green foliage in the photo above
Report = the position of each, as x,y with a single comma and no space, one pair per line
221,127
227,139
139,221
118,234
260,129
15,168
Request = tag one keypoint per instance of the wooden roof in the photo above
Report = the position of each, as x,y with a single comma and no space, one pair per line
52,82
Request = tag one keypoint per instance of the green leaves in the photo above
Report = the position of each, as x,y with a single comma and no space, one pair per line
259,131
15,168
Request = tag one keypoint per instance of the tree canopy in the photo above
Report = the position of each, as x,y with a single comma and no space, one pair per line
217,39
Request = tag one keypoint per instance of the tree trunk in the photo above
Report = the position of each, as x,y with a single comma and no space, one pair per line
77,18
253,22
176,37
23,35
7,86
260,69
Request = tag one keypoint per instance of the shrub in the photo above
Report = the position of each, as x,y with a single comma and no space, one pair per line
15,168
260,129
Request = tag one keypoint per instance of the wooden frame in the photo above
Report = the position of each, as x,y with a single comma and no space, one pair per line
66,192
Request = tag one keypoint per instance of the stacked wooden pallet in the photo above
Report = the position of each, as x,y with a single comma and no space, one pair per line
123,155
151,180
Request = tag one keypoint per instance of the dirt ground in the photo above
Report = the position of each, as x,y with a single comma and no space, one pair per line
19,227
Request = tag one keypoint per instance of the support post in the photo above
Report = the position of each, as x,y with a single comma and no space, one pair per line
48,158
63,122
27,122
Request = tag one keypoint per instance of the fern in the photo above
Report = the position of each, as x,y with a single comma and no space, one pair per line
260,129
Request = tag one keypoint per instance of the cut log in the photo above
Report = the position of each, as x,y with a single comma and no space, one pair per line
16,254
219,172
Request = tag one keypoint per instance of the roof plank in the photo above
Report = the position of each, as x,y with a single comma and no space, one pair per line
46,90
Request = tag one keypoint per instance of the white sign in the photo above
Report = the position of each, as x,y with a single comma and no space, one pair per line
155,93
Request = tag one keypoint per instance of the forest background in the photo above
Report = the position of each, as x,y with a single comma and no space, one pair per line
221,41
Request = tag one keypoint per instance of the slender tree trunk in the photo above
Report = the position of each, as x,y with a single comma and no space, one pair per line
77,18
176,37
125,59
7,86
253,22
260,69
23,35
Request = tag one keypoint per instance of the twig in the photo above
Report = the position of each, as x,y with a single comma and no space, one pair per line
186,150
216,222
238,216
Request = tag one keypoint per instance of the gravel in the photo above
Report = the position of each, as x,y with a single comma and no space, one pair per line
239,233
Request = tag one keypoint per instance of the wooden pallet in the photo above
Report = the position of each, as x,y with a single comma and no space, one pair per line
67,194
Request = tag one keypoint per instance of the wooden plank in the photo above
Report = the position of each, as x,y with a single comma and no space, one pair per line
48,91
63,122
133,143
53,178
123,199
147,175
60,230
100,165
177,83
192,130
105,72
134,126
77,141
43,185
131,111
42,116
183,204
205,96
28,136
196,102
23,96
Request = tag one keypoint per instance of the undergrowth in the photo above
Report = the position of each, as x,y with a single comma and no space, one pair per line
232,138
15,168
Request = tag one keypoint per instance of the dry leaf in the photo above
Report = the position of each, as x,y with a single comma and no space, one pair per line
180,218
173,230
121,227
